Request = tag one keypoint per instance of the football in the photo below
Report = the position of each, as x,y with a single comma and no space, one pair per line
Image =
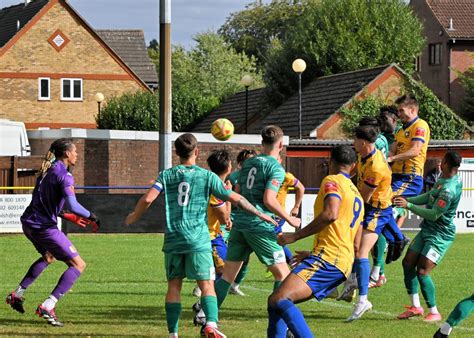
222,129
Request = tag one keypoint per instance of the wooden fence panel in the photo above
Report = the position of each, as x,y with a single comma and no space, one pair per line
18,171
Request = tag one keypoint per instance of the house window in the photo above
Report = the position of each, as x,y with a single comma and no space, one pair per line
435,54
71,89
417,63
44,89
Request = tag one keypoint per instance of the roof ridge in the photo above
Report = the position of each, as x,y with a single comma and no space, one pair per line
352,71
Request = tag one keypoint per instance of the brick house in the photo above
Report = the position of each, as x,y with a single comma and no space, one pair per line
449,31
52,63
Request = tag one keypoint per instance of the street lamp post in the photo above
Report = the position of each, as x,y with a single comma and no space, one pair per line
99,98
246,81
299,67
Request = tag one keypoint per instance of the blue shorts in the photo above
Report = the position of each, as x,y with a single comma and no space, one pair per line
219,251
407,185
278,228
319,275
376,219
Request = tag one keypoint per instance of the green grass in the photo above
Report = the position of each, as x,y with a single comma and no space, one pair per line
122,293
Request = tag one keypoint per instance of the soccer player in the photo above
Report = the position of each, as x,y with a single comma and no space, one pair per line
435,237
462,310
187,245
259,180
373,181
338,213
289,181
54,189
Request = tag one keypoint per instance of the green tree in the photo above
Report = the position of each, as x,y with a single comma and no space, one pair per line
345,35
467,81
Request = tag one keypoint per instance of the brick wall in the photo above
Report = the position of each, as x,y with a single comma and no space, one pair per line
462,58
33,54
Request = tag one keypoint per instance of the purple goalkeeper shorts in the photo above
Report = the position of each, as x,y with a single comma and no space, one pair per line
51,240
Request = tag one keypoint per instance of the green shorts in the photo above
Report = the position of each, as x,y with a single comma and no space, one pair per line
241,244
193,265
431,246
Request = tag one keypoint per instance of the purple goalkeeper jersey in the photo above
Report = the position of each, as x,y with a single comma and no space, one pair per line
49,197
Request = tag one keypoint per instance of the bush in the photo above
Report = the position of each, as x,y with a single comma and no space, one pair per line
358,109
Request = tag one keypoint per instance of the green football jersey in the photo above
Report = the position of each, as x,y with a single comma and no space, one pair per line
258,174
234,177
381,144
187,190
445,196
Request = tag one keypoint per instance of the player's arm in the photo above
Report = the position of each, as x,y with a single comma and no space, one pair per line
439,207
143,204
412,152
299,194
400,201
242,203
71,203
329,214
392,150
272,204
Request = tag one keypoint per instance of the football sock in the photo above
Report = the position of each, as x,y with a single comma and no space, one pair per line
20,291
209,306
173,311
362,298
173,335
379,252
288,254
293,318
33,272
461,311
276,325
50,303
409,277
242,273
222,289
362,266
428,290
276,284
446,329
66,281
433,310
375,273
415,300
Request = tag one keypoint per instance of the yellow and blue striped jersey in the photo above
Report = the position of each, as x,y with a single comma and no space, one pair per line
416,130
212,219
289,181
335,243
373,170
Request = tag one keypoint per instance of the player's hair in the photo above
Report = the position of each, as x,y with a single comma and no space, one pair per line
57,150
370,121
384,110
271,134
453,158
367,132
343,155
245,154
185,145
219,161
407,99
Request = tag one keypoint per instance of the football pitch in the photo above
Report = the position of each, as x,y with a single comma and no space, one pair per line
122,293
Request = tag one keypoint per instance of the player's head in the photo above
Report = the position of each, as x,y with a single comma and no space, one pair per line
364,139
186,146
388,118
343,158
407,107
451,162
62,149
272,138
370,121
245,154
220,162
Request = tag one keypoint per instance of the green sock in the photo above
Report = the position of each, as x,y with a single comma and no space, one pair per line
276,284
222,289
209,306
379,251
173,310
242,273
411,283
461,311
428,289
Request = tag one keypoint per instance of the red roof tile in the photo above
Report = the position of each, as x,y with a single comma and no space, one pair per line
460,11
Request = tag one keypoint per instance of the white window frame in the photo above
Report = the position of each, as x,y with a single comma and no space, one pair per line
72,98
44,98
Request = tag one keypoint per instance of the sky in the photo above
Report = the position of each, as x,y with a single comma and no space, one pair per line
188,17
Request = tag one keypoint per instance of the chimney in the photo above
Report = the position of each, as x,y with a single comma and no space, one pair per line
451,27
17,25
27,2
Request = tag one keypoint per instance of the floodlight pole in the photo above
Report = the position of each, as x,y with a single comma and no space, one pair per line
165,85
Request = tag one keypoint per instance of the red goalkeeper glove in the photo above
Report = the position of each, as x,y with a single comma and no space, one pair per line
82,221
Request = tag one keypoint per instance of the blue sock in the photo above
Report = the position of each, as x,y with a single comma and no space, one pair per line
288,254
293,318
362,267
276,325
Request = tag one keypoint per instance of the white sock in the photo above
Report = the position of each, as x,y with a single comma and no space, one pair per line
446,329
415,300
20,291
201,313
173,335
362,298
374,274
434,310
50,303
211,324
234,285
